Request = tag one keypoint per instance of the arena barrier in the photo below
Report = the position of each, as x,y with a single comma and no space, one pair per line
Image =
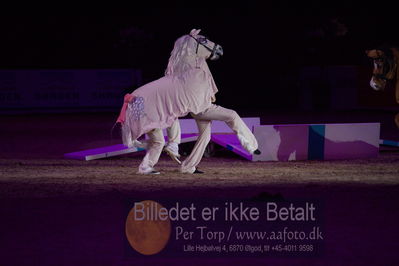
317,141
189,132
276,142
65,90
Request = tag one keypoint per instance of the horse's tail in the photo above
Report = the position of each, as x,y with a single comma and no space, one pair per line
125,133
112,131
125,125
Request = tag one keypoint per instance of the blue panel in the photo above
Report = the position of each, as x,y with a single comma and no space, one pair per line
390,143
316,142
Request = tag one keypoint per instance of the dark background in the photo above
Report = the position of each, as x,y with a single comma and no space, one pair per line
266,44
64,212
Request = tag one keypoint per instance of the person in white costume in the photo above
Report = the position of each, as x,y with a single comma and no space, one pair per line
187,87
174,138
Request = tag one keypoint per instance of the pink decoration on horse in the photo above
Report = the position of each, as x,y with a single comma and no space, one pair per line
122,116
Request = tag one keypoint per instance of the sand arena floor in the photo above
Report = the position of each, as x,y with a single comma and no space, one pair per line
64,212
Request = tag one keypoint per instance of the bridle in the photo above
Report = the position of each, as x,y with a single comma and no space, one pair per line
202,41
216,51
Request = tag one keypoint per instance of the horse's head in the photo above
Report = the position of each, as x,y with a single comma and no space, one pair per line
204,47
384,67
190,49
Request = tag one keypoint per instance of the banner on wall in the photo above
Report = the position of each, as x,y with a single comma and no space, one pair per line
75,89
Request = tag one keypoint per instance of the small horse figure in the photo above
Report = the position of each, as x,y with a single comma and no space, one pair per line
385,62
187,87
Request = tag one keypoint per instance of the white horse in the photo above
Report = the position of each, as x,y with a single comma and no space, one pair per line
187,87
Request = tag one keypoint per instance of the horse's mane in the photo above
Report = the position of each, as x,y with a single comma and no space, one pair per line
182,57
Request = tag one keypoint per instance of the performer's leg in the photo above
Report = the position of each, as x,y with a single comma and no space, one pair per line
155,144
174,132
234,121
204,129
174,139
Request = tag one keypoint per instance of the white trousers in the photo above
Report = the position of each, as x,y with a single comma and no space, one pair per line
204,119
155,144
156,140
174,133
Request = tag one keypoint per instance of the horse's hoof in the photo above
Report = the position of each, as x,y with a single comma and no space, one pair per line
257,152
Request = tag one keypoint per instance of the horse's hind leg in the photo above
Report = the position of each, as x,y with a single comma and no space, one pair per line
155,146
